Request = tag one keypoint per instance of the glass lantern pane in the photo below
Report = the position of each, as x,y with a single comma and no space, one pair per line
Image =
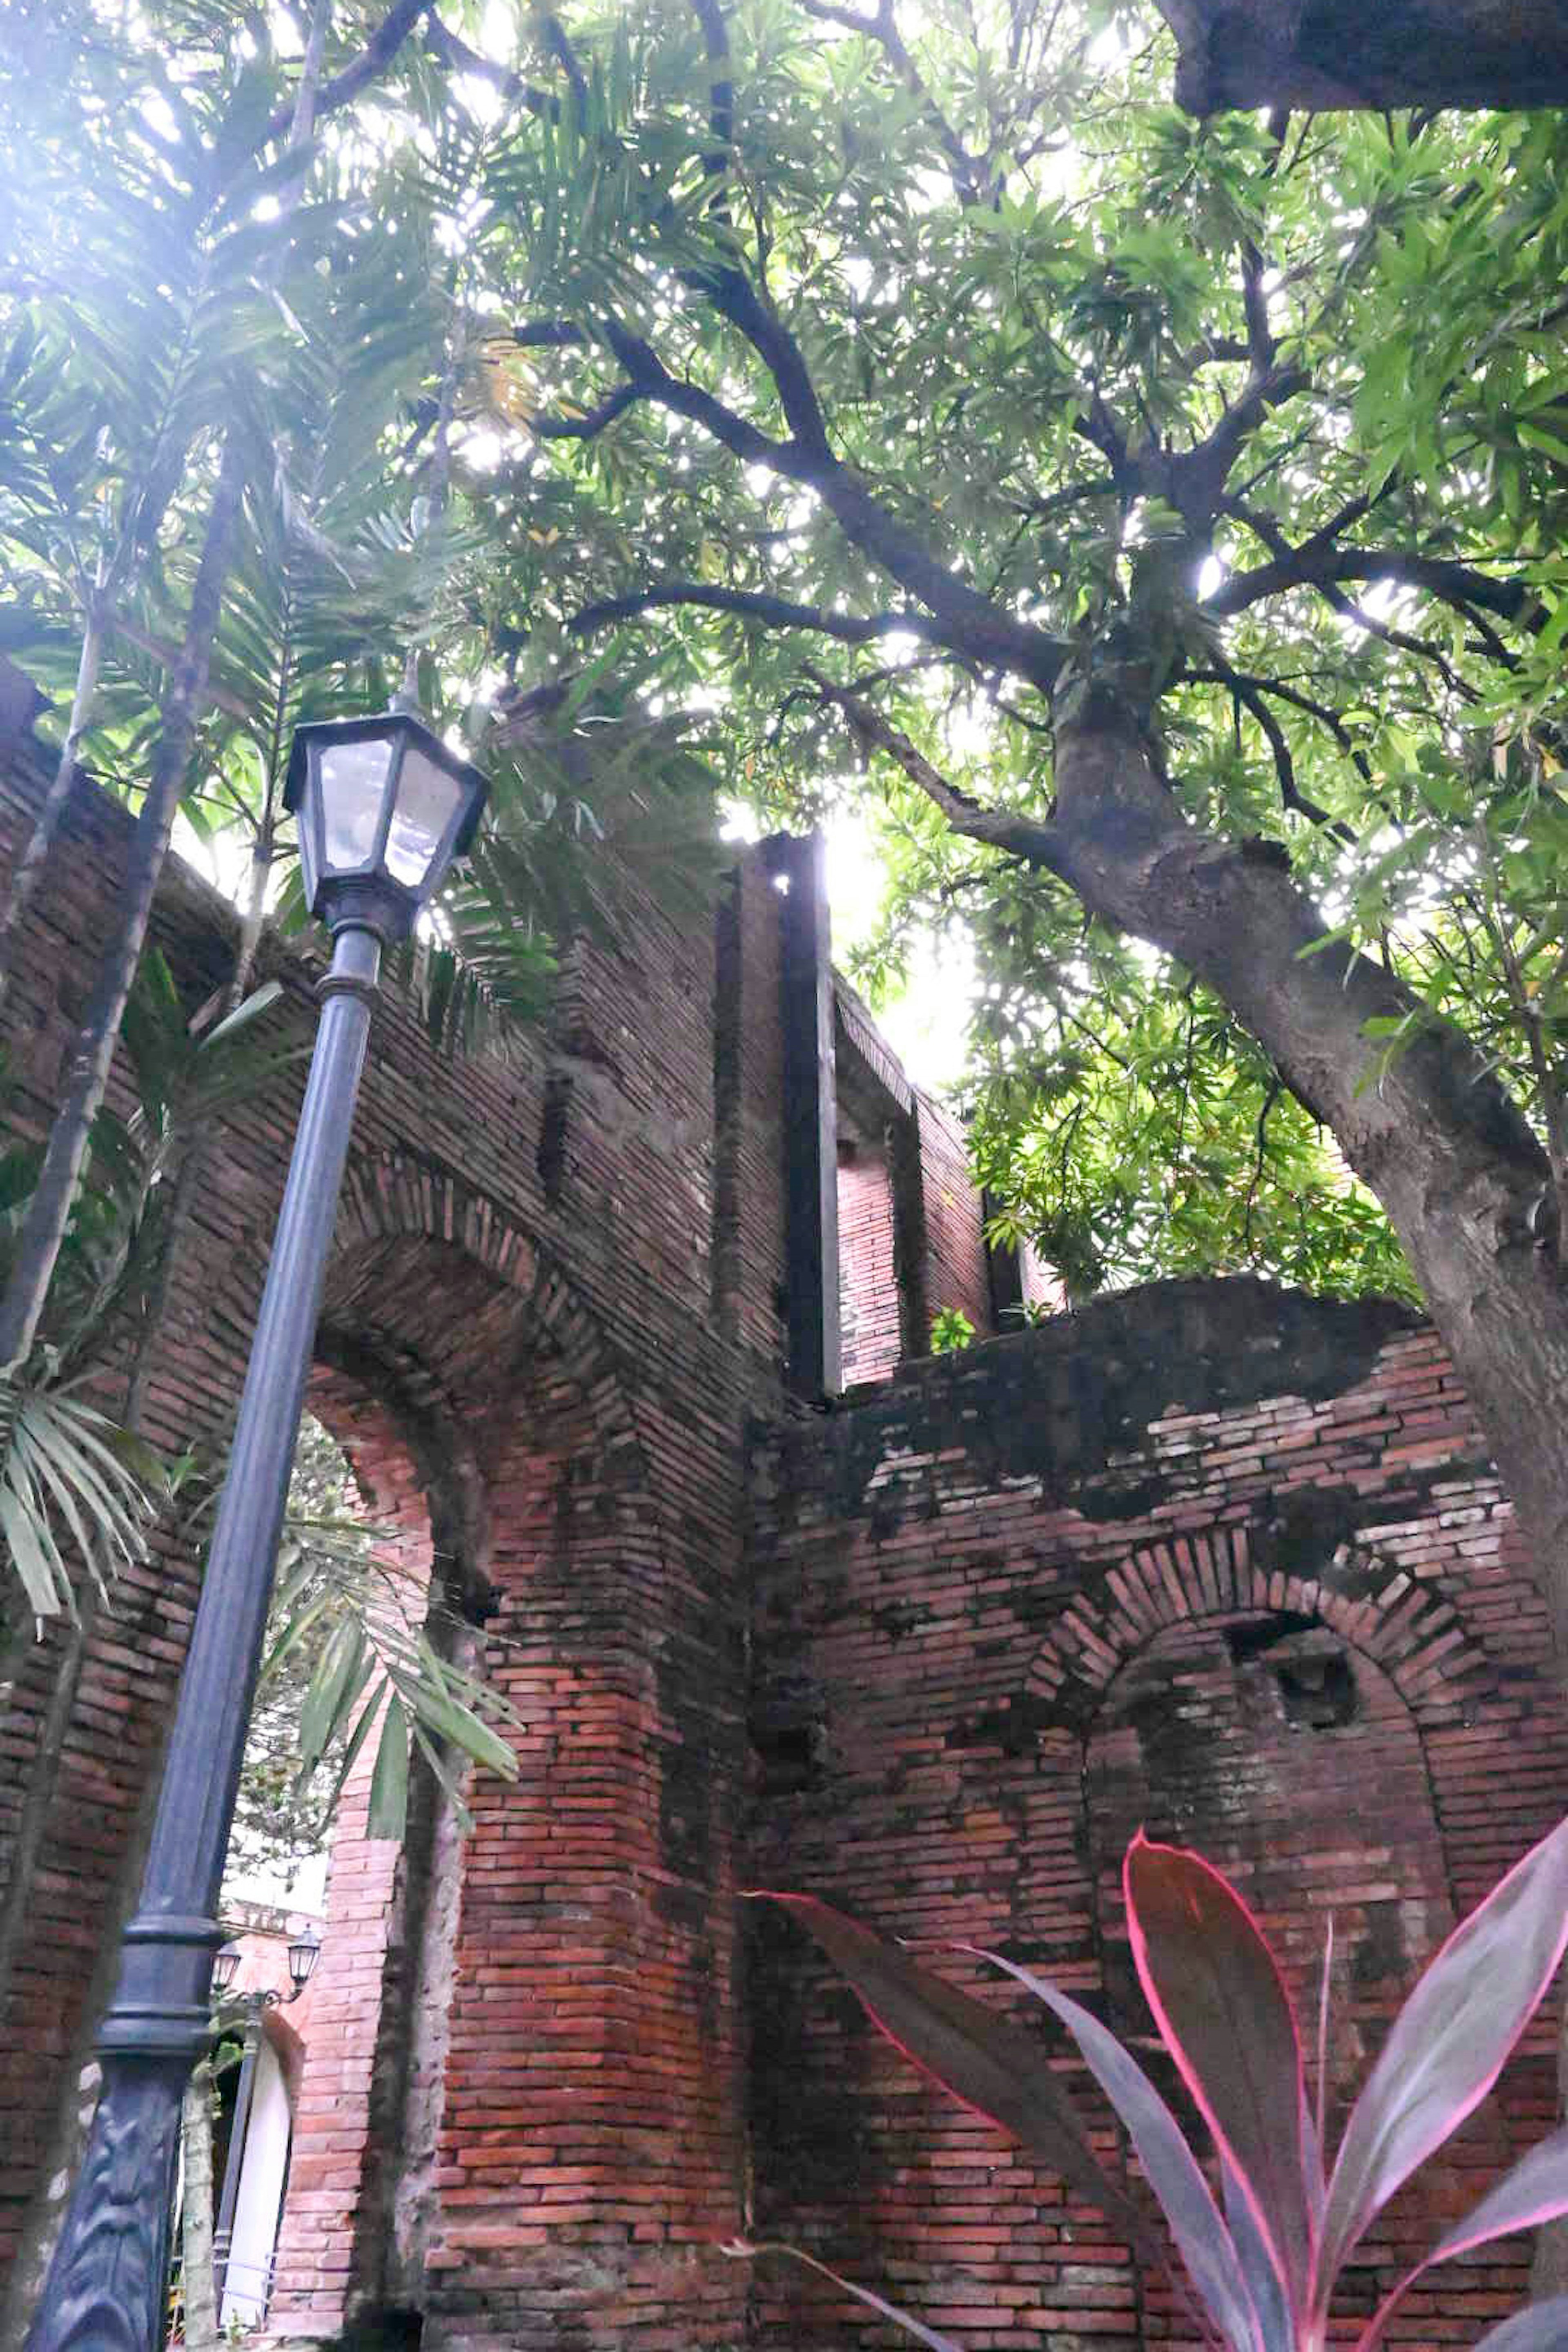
428,799
354,776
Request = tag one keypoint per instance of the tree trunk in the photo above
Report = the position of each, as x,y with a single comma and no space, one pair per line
1319,54
1453,1161
28,872
50,1206
197,2270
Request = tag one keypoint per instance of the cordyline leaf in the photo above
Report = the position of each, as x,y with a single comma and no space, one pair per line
1448,2043
1222,2009
987,2063
1257,2267
1169,2165
744,2247
1542,2328
1536,2190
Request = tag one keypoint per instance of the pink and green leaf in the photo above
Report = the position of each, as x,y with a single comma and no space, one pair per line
1542,2328
1536,2190
1448,2043
1221,2006
991,2065
1169,2165
900,2318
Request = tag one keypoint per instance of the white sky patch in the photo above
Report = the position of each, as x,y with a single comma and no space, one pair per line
305,1889
927,1026
160,115
1211,571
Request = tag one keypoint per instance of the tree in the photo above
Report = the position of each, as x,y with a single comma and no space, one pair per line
1165,515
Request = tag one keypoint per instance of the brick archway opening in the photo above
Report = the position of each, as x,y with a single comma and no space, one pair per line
366,2109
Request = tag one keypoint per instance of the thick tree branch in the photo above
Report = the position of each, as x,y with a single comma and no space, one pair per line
592,423
652,380
1316,566
970,621
551,334
373,60
558,44
775,612
448,49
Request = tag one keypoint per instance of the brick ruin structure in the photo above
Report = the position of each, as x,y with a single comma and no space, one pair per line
626,1338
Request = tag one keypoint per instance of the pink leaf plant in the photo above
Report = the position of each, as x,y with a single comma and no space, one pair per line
1260,2259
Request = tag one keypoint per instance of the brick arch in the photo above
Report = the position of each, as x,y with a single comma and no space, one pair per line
1409,1629
393,1195
395,1206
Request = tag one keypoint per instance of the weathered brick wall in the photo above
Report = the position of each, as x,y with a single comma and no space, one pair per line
1210,1556
955,1271
869,1304
523,1289
749,1168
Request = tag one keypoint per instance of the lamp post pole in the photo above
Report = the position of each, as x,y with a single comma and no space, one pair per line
106,2284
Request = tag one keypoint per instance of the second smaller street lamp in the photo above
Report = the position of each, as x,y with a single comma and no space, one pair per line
382,807
303,1953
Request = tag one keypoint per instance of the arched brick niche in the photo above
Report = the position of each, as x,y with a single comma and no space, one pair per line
1293,1729
956,1575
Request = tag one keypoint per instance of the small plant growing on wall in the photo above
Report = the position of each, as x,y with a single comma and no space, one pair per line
951,1329
1260,2259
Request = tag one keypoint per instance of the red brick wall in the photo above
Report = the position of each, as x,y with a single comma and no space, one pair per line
956,1271
1032,1594
456,1301
869,1305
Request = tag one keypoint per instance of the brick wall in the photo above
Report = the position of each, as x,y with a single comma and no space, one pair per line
523,1291
1210,1556
869,1303
955,1271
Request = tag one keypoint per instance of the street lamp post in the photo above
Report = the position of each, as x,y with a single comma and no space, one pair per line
383,809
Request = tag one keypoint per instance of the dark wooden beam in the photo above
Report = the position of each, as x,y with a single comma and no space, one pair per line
810,1115
1318,55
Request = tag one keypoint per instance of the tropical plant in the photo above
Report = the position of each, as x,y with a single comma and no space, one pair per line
376,1668
950,1331
1261,2260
